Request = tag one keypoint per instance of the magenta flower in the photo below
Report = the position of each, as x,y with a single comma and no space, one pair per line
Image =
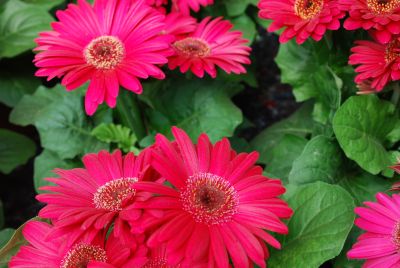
220,204
62,252
211,44
381,17
301,19
380,244
377,63
113,43
88,200
184,6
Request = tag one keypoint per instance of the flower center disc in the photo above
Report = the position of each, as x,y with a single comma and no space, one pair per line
156,263
392,51
308,9
382,6
210,199
111,195
192,48
104,52
80,255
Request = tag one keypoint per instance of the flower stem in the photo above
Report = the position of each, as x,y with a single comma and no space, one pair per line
129,113
396,94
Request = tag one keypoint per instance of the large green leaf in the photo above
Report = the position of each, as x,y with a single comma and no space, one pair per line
20,24
60,119
15,150
318,229
14,86
44,165
196,106
361,126
320,160
299,124
283,154
246,25
306,68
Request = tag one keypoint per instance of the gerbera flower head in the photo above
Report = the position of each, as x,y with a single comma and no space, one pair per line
113,43
220,204
62,252
380,244
301,19
184,6
377,62
211,44
90,199
382,17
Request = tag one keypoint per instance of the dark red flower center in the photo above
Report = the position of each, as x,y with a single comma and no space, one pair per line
192,48
80,256
210,199
396,236
382,6
157,263
104,52
308,9
111,195
392,51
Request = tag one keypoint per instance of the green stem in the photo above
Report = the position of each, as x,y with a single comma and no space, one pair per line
396,94
129,113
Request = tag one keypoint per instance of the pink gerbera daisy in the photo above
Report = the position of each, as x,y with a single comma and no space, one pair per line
91,199
301,19
377,62
113,43
61,252
382,17
212,43
220,204
381,243
184,6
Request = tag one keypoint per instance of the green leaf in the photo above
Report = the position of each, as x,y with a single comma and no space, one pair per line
318,229
15,150
14,86
60,119
362,125
47,4
5,236
306,68
20,24
283,154
299,124
197,106
121,135
246,25
320,160
44,165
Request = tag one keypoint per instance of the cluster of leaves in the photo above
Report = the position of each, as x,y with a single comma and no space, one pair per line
332,153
